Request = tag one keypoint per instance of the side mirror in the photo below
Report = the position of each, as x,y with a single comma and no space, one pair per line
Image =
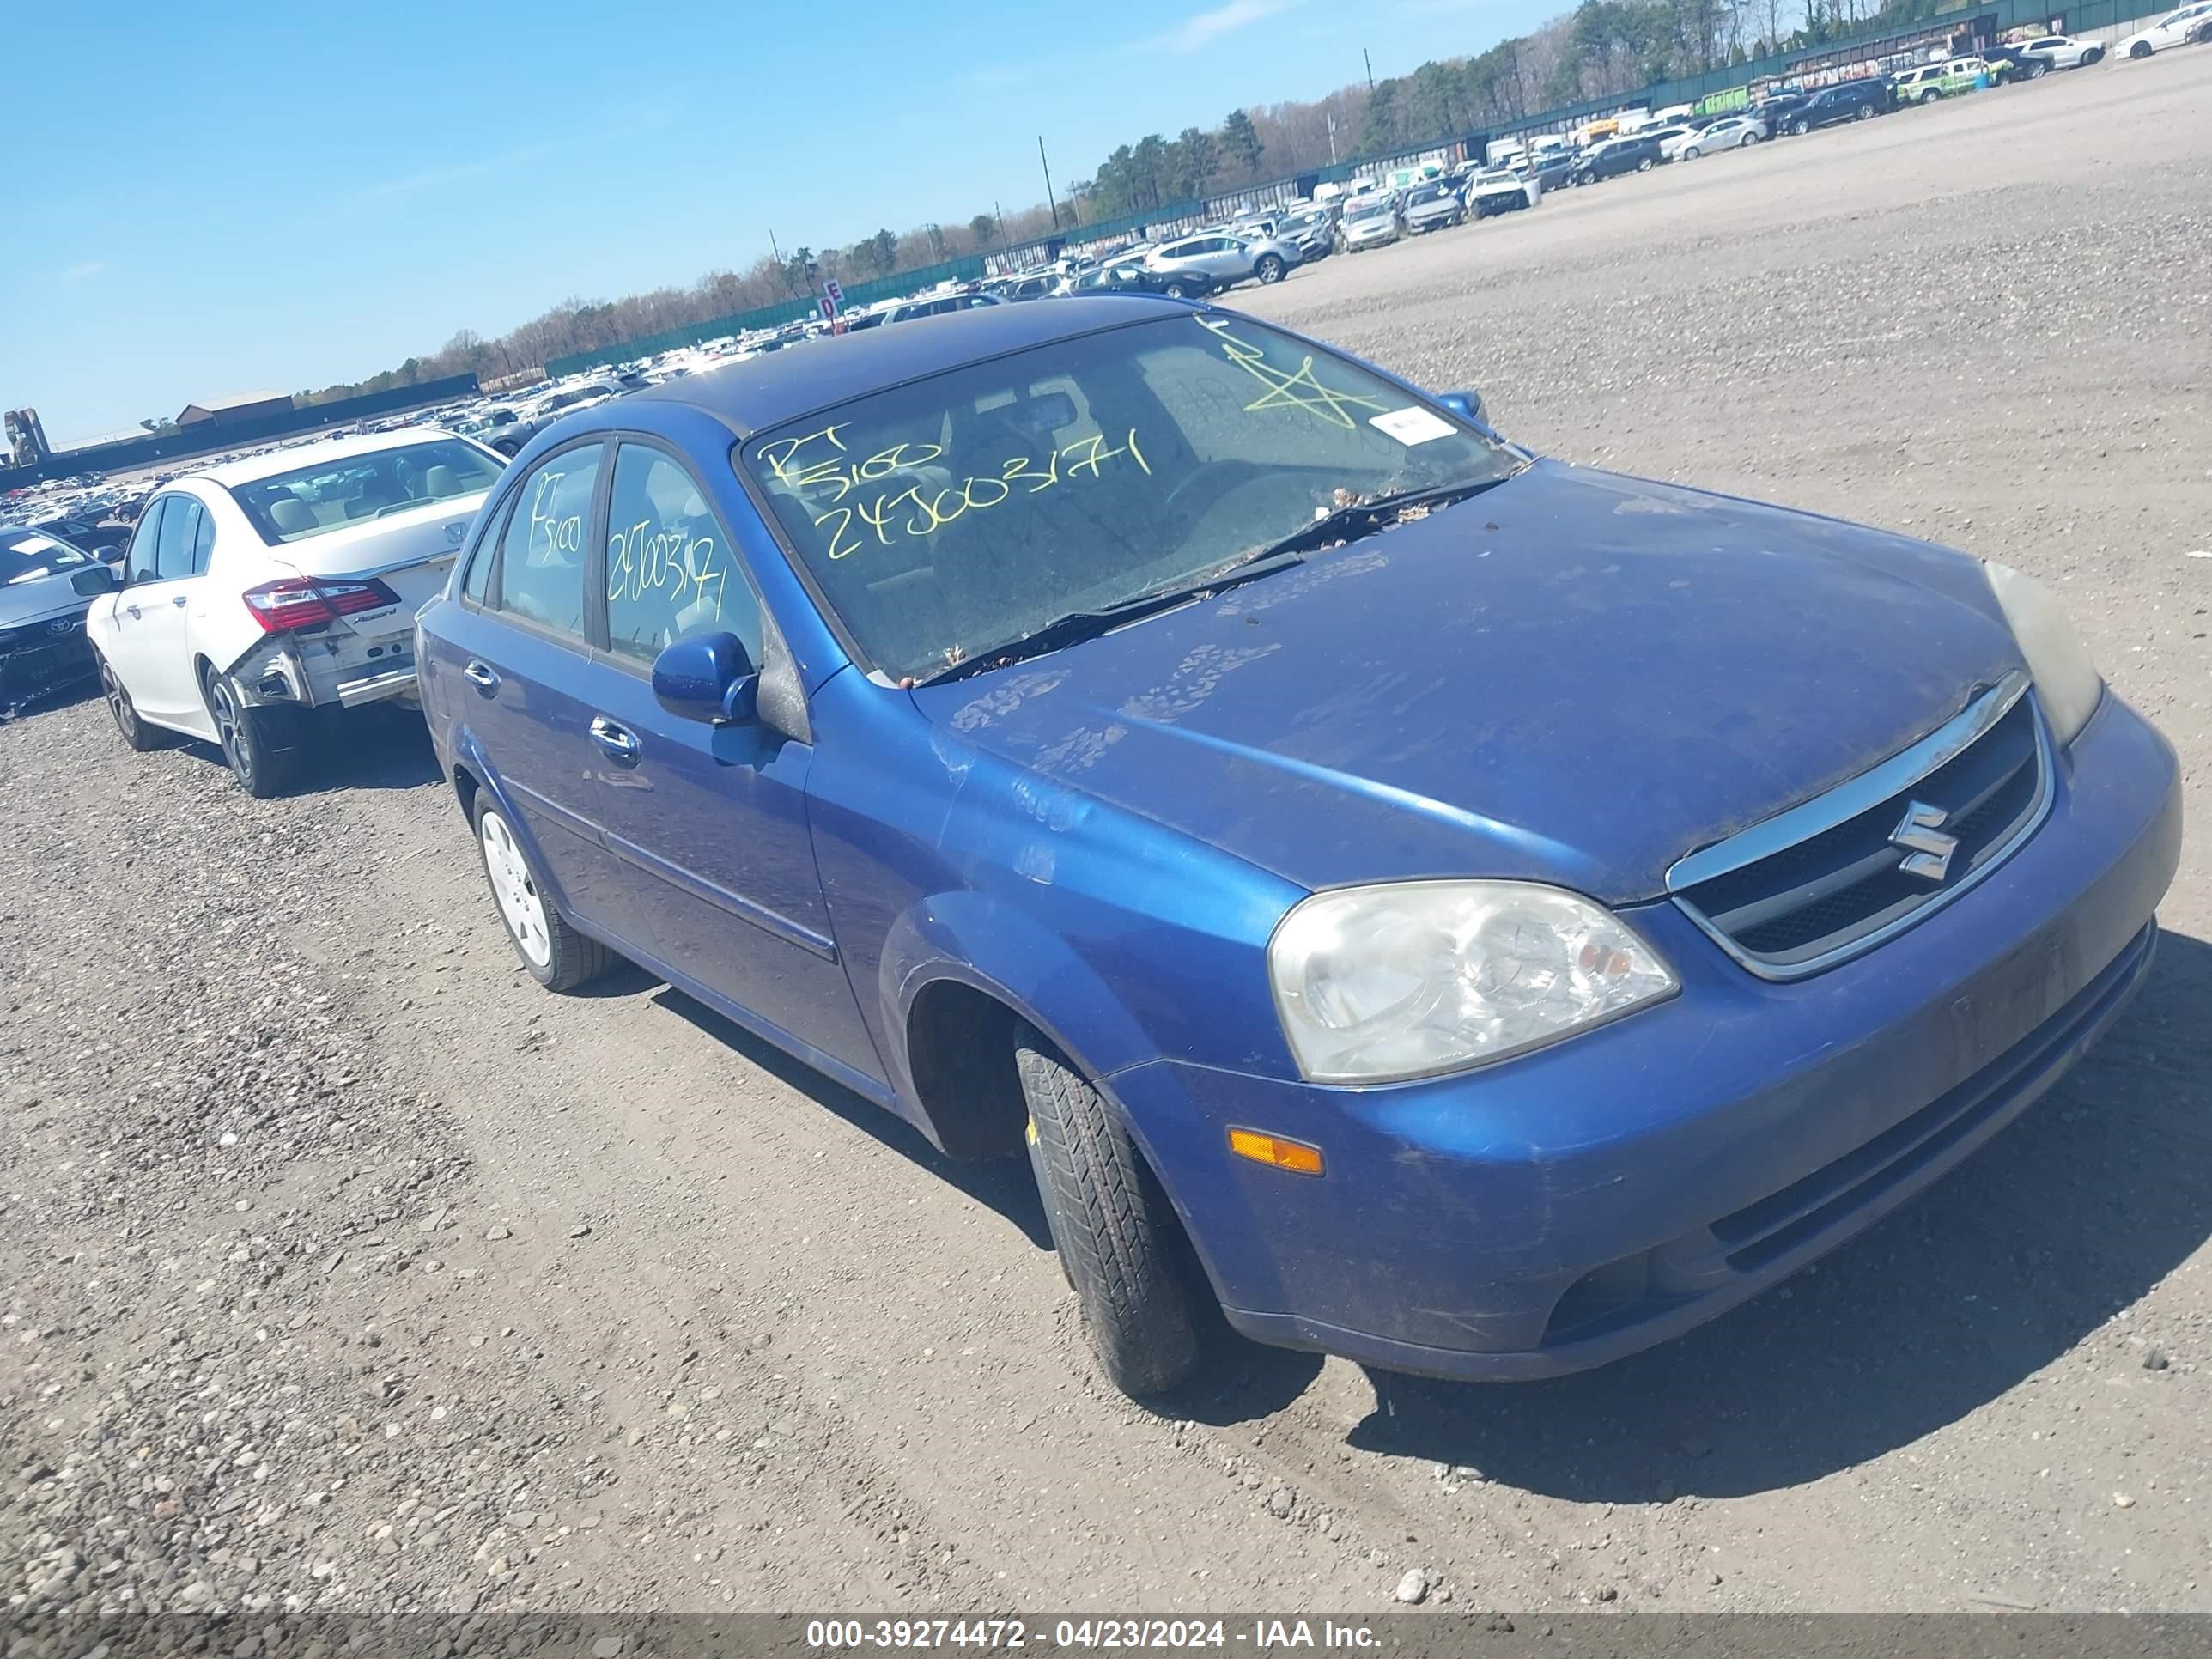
708,678
1468,405
96,580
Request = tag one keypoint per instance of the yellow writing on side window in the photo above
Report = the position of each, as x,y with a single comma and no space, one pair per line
548,531
922,510
666,563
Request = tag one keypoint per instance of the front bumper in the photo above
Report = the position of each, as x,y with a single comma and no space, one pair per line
34,658
1588,1200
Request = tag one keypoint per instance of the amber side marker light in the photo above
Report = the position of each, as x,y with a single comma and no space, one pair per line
1272,1150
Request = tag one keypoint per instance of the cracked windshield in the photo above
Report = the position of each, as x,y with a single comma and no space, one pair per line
945,519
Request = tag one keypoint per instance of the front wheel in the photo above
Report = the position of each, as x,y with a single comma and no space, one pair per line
1692,154
558,956
1176,291
136,733
1802,128
261,746
1117,1237
1269,269
2090,58
2141,49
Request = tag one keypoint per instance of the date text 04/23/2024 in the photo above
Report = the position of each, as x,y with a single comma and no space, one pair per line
1088,1634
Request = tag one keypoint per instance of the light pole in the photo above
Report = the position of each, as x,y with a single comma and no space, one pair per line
1370,62
1049,200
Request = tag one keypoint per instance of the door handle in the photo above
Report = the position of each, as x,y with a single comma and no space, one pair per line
480,675
133,611
617,744
180,600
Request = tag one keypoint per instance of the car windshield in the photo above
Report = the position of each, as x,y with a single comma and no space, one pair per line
26,555
1432,193
292,506
942,519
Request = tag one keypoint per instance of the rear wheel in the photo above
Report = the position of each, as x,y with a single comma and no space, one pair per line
1117,1237
260,745
2095,56
1643,166
2037,70
558,956
1866,112
137,734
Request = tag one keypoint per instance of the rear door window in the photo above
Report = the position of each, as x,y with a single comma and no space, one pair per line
541,556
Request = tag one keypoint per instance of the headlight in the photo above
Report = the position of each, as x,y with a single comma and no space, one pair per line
1376,984
2067,682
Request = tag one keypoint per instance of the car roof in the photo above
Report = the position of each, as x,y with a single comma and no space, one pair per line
315,454
750,396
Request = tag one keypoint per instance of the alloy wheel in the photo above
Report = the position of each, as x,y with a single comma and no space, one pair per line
519,903
118,700
230,728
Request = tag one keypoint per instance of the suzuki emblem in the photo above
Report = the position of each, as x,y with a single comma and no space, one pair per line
1927,849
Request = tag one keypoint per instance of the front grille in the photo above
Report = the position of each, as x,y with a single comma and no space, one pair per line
1793,907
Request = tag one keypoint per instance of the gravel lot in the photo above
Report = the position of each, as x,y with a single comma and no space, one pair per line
339,1266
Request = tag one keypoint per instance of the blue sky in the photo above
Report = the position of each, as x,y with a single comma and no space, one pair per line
202,200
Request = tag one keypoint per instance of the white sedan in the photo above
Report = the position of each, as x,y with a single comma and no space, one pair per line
2065,52
257,591
1733,133
2169,30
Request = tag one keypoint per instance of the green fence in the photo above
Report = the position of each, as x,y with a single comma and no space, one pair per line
1726,87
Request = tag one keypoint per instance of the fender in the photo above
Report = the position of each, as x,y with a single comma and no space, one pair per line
977,941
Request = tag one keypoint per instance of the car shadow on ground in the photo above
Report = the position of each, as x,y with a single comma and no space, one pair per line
378,747
1003,1184
2070,1215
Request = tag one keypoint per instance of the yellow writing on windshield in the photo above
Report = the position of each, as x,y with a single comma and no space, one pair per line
923,509
1288,389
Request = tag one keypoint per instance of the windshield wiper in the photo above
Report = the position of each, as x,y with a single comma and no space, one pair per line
1356,519
1079,625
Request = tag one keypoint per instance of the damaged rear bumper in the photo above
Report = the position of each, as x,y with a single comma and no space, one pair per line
1587,1200
333,669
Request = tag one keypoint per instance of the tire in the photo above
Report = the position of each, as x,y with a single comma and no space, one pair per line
1117,1237
136,733
1866,112
1802,128
1750,138
2141,49
1645,165
2037,70
557,956
261,746
2094,56
1692,154
1269,269
1175,291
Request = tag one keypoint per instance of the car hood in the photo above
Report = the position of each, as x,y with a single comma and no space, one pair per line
1575,676
42,596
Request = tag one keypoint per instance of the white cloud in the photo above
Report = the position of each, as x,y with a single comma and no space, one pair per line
89,268
1210,26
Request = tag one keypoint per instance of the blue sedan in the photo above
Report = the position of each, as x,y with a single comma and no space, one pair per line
1461,911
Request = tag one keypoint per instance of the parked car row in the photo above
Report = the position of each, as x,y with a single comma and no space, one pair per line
863,744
